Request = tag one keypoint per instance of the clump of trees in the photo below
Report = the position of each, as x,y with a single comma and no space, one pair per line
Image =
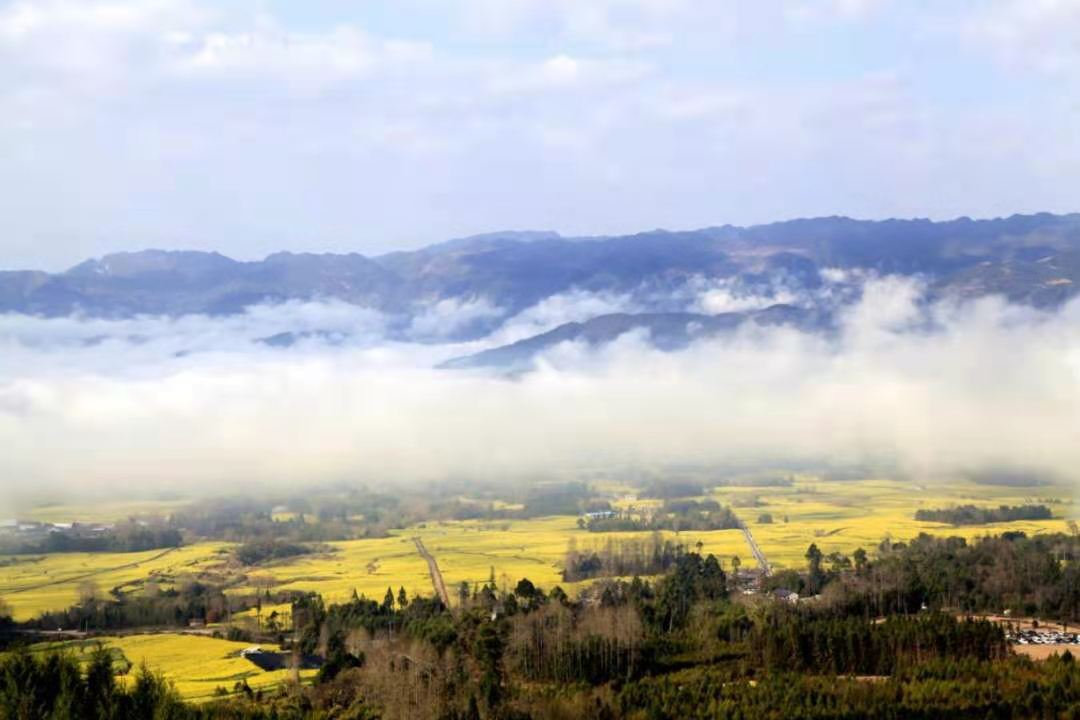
675,515
128,537
559,499
172,607
311,519
6,621
561,644
671,489
621,557
948,688
794,640
261,551
54,686
1012,478
972,515
1037,575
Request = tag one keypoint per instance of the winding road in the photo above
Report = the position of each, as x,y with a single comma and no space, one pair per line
433,568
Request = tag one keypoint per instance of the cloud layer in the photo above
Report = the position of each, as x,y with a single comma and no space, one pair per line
928,391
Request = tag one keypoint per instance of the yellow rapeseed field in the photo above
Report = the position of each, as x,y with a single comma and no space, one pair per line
366,566
32,584
466,550
535,549
102,512
837,516
843,516
196,665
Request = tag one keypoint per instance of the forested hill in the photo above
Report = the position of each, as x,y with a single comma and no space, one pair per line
1032,259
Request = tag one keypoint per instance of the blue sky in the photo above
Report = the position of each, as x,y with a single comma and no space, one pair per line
249,127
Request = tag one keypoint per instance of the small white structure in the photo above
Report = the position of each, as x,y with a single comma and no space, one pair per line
785,595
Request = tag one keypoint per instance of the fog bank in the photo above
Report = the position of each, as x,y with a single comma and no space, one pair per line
202,404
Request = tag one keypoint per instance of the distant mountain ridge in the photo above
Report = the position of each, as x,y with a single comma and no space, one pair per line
1032,259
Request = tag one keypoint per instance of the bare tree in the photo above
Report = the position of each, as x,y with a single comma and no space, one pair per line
89,592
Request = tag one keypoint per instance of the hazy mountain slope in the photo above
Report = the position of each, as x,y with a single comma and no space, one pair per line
178,283
1033,259
516,274
667,331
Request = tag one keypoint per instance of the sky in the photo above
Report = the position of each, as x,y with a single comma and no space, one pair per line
251,126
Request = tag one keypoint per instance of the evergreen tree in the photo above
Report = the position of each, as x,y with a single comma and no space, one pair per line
816,576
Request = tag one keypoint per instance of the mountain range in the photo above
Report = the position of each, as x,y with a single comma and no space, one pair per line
1030,259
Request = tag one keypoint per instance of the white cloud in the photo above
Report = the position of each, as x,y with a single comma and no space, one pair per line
97,42
147,343
450,316
555,310
818,10
889,390
616,24
1038,33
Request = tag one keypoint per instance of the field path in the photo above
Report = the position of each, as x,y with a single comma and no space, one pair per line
762,561
87,576
433,568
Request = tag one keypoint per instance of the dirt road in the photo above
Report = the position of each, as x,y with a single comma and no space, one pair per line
759,556
433,568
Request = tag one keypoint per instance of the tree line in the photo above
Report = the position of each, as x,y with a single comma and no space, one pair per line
1036,575
795,640
972,515
621,557
129,537
675,515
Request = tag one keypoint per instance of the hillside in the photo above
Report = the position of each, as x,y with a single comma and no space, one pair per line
1029,259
